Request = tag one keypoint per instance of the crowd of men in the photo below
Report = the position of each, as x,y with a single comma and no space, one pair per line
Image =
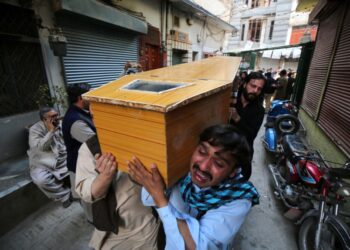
135,210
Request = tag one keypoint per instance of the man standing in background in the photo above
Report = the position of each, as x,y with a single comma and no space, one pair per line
282,82
77,128
248,113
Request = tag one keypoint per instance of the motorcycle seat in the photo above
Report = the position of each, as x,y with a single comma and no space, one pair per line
294,147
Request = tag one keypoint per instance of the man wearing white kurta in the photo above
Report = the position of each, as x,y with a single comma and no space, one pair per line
48,157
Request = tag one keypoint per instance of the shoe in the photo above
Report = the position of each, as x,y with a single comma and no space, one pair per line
67,203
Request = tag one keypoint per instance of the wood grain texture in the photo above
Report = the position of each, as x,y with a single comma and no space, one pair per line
183,127
203,78
123,156
163,128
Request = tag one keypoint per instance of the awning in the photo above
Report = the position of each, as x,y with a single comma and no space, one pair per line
99,11
288,51
306,5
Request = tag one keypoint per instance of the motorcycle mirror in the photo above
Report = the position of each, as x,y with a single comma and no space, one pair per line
347,164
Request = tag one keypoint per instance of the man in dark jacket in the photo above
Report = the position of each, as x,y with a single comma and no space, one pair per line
248,113
77,124
77,128
269,89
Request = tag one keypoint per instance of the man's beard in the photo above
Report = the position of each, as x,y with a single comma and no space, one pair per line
249,96
86,105
208,175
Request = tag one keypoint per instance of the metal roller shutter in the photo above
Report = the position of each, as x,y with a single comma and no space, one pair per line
334,116
96,54
320,63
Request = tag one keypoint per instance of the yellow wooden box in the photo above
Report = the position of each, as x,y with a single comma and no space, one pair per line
138,115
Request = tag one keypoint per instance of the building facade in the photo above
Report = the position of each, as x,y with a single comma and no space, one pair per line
48,45
269,24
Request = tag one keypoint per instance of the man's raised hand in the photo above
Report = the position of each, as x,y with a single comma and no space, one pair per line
152,181
106,165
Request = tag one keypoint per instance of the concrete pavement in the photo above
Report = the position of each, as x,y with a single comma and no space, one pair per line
265,226
53,227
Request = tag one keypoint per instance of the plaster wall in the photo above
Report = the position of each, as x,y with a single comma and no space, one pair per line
14,134
319,140
202,34
52,63
150,9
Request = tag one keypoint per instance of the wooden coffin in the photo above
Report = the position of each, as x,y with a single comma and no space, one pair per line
139,115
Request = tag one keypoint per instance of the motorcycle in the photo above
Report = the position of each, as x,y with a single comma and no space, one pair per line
281,107
282,117
306,184
323,226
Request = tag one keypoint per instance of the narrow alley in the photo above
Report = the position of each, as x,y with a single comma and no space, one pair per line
53,227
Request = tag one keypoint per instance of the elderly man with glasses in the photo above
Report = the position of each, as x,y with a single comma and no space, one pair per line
48,157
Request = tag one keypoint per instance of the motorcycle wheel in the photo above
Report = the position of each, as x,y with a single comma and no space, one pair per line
333,235
287,124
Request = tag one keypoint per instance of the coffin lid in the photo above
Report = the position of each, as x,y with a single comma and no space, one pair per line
200,79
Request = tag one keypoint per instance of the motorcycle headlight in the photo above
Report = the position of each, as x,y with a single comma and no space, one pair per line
344,190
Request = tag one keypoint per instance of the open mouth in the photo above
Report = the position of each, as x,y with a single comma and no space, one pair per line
200,176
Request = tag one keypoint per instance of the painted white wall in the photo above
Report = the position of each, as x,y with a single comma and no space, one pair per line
281,31
211,37
214,6
205,37
279,11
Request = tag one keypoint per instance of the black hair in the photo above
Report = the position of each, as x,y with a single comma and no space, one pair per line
283,72
230,139
268,74
74,91
257,76
243,72
44,110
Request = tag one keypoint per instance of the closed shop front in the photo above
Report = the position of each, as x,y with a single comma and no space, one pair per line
326,96
96,53
101,39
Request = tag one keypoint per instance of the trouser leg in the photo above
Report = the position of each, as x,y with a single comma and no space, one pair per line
86,206
53,188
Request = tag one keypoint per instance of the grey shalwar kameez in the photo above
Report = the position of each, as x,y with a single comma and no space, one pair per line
47,161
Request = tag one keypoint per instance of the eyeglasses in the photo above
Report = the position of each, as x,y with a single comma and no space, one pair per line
51,116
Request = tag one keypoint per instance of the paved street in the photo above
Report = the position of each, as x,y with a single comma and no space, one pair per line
265,227
53,227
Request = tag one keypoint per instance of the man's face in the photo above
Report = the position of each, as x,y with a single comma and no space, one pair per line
85,104
253,89
210,165
53,116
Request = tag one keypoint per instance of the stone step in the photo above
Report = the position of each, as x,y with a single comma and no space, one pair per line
19,196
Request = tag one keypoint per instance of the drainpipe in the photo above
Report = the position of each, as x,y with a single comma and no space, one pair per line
165,55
